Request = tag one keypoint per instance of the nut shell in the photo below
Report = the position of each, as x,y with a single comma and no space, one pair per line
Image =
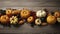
21,22
44,24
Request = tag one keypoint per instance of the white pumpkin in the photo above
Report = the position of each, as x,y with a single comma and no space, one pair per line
58,19
41,13
38,21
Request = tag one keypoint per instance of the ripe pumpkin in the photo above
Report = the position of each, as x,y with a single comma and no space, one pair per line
51,19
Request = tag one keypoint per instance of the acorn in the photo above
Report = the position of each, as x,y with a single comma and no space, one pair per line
44,24
21,22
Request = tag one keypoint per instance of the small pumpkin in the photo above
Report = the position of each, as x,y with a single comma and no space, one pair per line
25,13
51,19
57,14
4,19
8,12
41,13
38,21
58,19
15,11
13,20
30,19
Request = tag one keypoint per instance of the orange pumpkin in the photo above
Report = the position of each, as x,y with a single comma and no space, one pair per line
30,19
8,11
4,19
51,19
57,14
25,13
15,12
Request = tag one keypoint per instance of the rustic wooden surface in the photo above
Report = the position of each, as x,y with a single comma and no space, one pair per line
50,5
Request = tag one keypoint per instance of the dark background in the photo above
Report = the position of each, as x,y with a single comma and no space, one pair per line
50,5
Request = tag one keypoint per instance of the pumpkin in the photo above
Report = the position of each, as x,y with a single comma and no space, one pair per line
38,21
56,14
15,11
25,13
4,19
41,13
51,19
8,12
30,19
13,20
58,19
